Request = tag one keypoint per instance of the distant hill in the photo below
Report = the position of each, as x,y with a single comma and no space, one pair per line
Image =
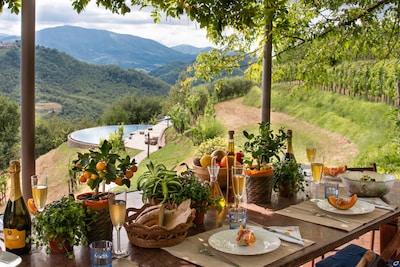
82,89
192,50
107,48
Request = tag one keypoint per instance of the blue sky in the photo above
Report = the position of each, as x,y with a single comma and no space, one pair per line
52,13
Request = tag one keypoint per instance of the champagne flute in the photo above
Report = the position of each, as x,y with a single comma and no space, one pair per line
311,152
39,190
117,207
238,183
317,169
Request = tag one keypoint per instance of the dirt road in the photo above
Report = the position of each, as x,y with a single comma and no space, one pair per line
336,149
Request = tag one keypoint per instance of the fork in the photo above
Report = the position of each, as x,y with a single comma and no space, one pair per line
319,214
203,250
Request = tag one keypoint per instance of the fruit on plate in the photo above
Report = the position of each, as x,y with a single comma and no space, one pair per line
32,207
245,237
341,203
334,171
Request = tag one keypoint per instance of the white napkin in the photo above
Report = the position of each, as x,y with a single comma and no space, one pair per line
287,233
377,202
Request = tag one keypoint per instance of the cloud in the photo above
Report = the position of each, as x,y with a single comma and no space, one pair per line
52,13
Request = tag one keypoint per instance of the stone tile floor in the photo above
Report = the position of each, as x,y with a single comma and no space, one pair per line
364,241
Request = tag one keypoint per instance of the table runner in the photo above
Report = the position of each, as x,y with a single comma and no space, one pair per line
189,251
302,211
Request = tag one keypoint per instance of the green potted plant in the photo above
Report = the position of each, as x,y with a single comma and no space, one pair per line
258,151
60,226
198,191
158,183
101,166
289,178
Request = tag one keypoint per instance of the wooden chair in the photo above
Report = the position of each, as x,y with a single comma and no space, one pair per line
354,255
372,168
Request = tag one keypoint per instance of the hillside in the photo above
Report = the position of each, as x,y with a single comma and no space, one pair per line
82,89
108,48
55,161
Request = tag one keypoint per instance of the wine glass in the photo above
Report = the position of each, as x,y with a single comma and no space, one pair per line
238,183
117,206
311,151
317,169
39,190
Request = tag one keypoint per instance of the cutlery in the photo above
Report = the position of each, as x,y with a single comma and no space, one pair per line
203,250
284,233
319,214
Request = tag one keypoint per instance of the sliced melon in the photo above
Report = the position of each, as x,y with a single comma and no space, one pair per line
341,203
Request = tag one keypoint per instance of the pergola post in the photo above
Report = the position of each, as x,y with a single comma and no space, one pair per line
28,22
266,84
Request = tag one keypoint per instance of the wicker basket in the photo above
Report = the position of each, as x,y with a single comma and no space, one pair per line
259,189
155,236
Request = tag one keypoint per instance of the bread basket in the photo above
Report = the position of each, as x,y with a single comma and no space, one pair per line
154,236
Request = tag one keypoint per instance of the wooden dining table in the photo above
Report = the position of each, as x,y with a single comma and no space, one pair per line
325,238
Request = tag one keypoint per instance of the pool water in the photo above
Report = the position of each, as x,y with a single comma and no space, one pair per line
96,134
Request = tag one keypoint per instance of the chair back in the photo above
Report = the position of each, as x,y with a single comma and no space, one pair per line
371,168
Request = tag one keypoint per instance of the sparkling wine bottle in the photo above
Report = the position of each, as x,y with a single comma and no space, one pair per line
289,155
17,220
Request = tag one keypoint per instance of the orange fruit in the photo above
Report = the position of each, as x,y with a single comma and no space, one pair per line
118,181
32,207
134,168
83,179
101,166
94,176
223,162
87,174
129,174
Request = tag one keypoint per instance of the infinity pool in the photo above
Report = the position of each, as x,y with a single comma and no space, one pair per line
93,136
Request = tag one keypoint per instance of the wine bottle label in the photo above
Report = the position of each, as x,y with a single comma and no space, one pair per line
14,239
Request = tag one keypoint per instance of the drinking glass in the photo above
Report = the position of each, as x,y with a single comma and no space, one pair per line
317,169
117,206
311,151
238,183
39,190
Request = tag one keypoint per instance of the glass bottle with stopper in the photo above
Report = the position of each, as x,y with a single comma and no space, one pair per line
216,192
289,155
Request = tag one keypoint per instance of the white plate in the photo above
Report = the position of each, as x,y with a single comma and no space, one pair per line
9,259
225,241
361,207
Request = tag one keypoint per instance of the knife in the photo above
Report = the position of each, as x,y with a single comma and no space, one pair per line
283,233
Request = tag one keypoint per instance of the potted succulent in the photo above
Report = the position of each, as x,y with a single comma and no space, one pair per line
101,166
60,226
259,150
289,178
157,183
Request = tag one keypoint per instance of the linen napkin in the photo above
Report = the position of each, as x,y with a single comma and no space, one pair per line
377,202
287,233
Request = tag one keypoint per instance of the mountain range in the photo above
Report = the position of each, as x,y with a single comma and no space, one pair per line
103,47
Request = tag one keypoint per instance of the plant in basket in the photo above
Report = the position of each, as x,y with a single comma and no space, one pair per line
60,226
259,150
95,167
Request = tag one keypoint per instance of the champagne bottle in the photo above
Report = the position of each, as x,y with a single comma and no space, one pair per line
289,155
230,197
17,220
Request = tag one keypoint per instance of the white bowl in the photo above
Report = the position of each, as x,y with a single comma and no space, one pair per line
367,183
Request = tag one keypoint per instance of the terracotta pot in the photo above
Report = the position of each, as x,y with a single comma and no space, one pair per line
54,246
88,201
